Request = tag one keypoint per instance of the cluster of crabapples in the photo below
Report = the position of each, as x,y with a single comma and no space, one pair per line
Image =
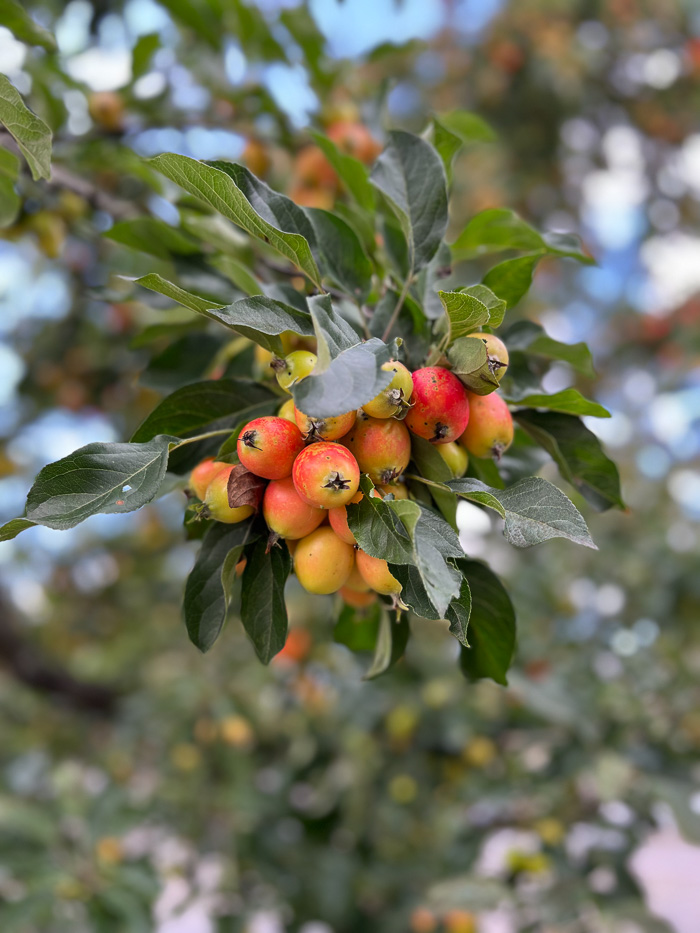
313,465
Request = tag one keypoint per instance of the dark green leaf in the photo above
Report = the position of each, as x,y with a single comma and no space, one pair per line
497,229
410,174
202,405
15,18
534,510
263,609
107,478
254,33
199,17
470,362
358,629
511,280
153,236
142,53
569,401
491,625
350,170
208,589
12,528
458,613
32,135
578,454
234,192
341,252
378,529
431,466
9,199
413,592
391,644
530,337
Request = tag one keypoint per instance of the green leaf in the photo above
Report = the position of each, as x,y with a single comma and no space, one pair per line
208,589
458,613
464,312
410,174
238,273
351,171
511,280
12,528
496,306
531,337
457,128
107,478
391,644
378,529
534,510
199,17
341,252
470,362
352,379
358,629
254,33
333,333
32,135
497,229
491,625
569,401
9,199
263,609
205,406
15,18
431,466
142,53
153,236
413,592
236,194
578,454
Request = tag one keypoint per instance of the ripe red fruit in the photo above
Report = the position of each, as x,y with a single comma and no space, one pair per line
440,411
376,574
324,429
203,474
267,446
285,511
382,447
322,562
216,500
326,475
490,429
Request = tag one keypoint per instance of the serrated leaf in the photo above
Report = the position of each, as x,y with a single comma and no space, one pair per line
411,176
107,478
333,333
569,401
464,312
12,528
152,236
511,280
534,510
351,171
531,337
470,362
578,454
208,588
341,254
219,184
263,609
352,379
491,625
391,644
496,306
497,229
32,135
15,18
202,405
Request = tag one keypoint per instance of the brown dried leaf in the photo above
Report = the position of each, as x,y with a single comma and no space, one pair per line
244,488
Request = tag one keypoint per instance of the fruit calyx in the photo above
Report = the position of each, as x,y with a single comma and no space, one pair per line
441,430
249,439
337,482
278,363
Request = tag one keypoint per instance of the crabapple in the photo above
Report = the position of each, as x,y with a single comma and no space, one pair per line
355,581
496,351
287,411
455,456
313,170
286,513
355,139
440,411
216,500
203,474
256,156
397,490
107,110
357,599
490,429
326,475
322,562
324,429
382,447
267,446
376,574
293,368
396,397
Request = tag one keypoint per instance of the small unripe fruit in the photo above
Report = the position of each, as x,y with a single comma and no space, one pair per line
287,411
397,490
285,511
326,475
376,574
382,447
322,562
107,109
325,429
490,429
203,474
294,367
356,599
216,500
497,353
440,411
455,456
397,395
268,446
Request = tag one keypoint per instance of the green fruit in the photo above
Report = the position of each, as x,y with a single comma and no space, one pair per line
293,368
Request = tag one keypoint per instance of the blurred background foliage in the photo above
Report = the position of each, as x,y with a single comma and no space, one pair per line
143,786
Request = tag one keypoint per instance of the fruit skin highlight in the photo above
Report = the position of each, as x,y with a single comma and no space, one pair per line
293,368
376,574
440,411
382,447
268,446
216,500
397,395
322,562
324,429
286,513
326,475
455,456
497,353
203,474
490,429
